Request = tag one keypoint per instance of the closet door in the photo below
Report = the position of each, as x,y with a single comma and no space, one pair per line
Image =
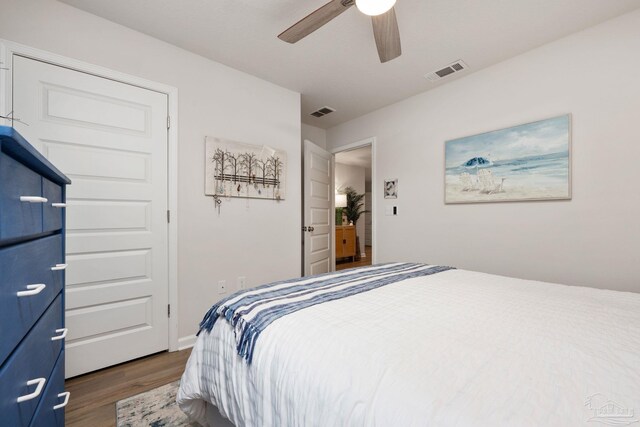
110,138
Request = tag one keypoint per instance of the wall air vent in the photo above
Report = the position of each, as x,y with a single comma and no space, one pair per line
323,111
452,68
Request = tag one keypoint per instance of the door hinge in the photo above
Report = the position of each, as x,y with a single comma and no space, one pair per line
168,216
168,310
168,122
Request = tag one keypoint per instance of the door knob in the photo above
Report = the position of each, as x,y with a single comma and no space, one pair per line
304,228
311,229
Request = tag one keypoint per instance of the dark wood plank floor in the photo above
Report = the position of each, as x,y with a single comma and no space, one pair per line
361,263
94,395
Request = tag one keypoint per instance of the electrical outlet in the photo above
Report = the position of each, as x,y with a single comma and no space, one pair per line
242,282
222,286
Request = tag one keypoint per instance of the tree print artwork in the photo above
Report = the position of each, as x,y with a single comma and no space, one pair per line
234,169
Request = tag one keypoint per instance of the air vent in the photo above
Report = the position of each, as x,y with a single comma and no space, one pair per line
452,68
323,111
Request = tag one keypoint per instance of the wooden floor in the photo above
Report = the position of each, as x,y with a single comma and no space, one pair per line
94,396
361,263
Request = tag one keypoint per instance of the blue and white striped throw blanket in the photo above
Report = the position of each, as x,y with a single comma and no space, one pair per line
251,311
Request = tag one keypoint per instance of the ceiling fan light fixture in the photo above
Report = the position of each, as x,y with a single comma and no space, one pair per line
374,7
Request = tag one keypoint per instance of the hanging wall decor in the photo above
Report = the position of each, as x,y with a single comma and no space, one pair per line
391,188
531,161
234,169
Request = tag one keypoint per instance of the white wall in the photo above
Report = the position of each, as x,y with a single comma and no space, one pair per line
352,176
314,134
592,240
258,239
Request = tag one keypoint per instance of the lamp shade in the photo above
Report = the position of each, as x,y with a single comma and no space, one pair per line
374,7
341,200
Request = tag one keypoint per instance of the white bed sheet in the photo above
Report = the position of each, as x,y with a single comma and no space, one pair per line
455,348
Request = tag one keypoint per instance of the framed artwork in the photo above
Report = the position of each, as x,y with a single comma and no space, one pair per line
391,188
531,161
235,169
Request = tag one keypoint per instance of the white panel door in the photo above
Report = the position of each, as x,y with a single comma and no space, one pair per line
318,212
110,138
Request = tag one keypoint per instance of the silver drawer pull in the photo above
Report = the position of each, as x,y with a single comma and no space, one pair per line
59,267
59,205
33,290
62,332
36,393
66,395
33,199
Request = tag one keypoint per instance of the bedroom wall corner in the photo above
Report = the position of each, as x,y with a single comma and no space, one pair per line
592,240
314,134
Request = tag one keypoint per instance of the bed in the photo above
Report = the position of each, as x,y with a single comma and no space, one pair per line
453,347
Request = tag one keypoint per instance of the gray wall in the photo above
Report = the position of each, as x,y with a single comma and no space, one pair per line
314,134
592,240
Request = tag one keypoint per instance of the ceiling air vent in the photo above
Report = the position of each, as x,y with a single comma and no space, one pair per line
452,68
323,111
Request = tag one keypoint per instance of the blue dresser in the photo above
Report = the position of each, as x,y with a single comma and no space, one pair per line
32,220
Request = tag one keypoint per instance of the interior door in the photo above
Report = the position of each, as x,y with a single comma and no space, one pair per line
318,213
110,138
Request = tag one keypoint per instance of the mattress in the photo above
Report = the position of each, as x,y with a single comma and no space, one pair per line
454,348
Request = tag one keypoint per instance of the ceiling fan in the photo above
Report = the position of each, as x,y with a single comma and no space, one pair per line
383,18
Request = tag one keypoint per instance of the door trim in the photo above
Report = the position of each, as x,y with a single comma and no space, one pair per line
9,48
374,187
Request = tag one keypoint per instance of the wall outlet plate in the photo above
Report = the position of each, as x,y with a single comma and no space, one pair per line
242,282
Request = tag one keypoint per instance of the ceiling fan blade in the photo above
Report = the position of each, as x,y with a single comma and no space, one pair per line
314,20
387,35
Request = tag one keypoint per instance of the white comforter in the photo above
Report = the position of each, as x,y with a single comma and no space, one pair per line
456,348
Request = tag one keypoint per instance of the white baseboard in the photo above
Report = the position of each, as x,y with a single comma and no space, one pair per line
186,342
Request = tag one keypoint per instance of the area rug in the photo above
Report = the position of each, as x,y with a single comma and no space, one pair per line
157,408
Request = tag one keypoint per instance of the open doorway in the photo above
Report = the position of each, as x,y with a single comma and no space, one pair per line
354,207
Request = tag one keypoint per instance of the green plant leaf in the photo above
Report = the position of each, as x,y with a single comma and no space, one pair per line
355,205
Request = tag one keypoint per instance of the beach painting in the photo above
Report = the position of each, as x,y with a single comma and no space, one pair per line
525,162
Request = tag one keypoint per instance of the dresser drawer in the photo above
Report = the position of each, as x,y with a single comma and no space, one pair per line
52,209
20,266
33,360
18,218
50,411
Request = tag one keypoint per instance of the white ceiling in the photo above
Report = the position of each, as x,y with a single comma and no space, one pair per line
338,65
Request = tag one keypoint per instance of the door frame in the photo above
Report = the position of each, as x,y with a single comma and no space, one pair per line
370,141
9,48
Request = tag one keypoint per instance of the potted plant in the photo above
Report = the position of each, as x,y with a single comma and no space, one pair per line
355,208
